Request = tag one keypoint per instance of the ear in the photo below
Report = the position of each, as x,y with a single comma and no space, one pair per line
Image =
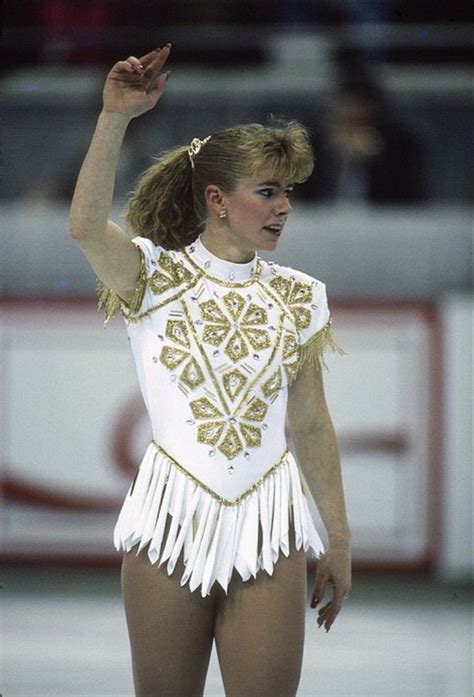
214,198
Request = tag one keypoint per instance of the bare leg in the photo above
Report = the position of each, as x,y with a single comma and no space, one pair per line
170,629
260,630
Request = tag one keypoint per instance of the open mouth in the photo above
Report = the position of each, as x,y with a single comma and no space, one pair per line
273,229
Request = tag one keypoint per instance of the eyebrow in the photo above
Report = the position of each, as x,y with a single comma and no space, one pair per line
274,184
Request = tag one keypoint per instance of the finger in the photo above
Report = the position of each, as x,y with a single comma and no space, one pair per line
157,85
136,64
329,615
153,71
319,589
156,54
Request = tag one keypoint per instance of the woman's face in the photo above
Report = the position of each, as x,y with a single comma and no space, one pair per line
257,210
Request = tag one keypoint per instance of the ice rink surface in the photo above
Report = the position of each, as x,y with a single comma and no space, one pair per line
64,634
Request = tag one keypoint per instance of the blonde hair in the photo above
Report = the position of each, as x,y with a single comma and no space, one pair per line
168,204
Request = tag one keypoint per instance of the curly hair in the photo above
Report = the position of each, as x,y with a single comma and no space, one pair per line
168,204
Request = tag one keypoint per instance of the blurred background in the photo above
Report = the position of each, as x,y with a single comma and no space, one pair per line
385,88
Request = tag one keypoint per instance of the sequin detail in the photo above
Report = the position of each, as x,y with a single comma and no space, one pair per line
237,326
112,302
294,294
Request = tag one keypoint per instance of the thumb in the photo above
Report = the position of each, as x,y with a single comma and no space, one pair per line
319,588
155,89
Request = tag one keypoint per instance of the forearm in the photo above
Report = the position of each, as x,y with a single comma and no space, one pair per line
94,190
318,456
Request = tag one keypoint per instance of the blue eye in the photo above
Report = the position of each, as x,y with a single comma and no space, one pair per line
266,192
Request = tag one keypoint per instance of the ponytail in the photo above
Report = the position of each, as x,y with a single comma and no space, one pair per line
161,207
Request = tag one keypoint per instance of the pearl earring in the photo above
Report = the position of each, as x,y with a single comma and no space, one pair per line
223,214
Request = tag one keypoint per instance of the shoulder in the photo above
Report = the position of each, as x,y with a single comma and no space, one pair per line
150,251
156,257
291,284
303,295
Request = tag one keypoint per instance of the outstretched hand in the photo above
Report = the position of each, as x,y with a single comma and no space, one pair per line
133,86
333,566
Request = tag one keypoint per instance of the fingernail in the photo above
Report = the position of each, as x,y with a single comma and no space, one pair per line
168,74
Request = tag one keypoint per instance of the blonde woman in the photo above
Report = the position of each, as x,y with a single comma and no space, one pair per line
215,528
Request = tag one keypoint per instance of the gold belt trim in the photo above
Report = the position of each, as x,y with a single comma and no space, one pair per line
211,492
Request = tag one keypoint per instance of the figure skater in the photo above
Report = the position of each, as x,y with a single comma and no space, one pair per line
215,528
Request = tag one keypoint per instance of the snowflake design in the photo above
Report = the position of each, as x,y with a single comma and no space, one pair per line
240,326
228,433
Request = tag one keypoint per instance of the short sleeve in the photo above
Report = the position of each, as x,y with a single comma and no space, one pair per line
317,335
149,254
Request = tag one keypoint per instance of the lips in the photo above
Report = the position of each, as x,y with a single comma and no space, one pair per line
274,229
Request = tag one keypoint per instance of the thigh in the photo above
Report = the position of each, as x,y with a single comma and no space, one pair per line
170,629
259,630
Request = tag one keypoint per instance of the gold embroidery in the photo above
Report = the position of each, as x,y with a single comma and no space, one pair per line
300,293
203,408
200,347
192,375
208,490
236,348
235,304
273,384
295,294
154,308
175,275
171,357
210,432
290,345
176,330
234,382
282,286
231,446
113,302
211,312
252,435
302,317
256,410
241,324
257,338
255,315
258,376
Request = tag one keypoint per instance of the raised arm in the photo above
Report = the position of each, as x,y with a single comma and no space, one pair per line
132,87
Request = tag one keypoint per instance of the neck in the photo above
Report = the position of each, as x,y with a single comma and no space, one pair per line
225,247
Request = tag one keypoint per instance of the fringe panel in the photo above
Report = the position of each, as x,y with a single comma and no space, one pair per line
224,537
112,302
313,350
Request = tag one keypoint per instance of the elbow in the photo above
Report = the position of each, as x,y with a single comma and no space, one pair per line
76,230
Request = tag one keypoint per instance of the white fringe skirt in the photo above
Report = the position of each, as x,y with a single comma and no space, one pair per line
216,536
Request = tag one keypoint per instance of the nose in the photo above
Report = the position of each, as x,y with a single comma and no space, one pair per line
284,206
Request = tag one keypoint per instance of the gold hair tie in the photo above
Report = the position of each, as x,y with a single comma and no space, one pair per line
195,147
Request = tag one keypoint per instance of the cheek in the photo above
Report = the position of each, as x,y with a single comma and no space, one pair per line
256,209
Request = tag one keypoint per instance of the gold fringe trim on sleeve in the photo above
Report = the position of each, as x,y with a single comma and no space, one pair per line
112,302
313,350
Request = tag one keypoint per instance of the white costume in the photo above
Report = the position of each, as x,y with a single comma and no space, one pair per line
216,345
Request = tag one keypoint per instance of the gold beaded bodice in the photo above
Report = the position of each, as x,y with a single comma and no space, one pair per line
217,344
